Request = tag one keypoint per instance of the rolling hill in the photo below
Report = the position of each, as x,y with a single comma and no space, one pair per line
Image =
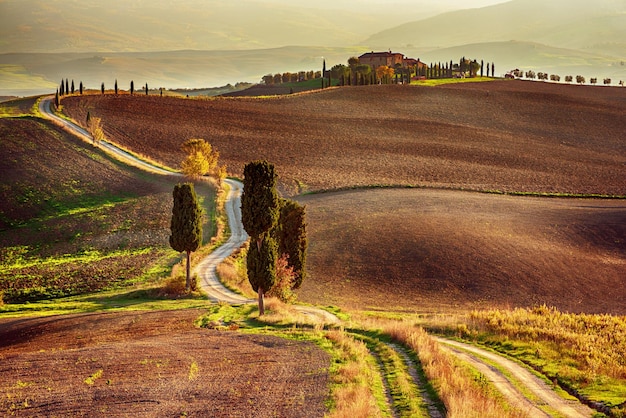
431,243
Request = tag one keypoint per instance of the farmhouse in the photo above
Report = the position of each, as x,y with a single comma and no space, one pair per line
389,59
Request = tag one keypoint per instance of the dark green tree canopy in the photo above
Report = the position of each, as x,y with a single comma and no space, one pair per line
259,202
290,233
261,265
186,225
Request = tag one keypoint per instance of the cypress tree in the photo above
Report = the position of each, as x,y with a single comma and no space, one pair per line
72,87
186,224
481,67
259,215
80,87
146,89
56,98
291,237
116,87
62,89
132,87
67,86
102,87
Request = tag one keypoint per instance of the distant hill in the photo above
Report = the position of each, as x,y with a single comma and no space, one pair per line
163,25
36,73
531,55
573,24
561,34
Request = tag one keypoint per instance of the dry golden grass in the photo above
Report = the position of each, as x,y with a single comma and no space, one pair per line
351,393
596,343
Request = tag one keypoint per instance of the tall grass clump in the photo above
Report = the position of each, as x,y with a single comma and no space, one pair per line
353,378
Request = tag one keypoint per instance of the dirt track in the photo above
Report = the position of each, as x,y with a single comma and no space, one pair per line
147,368
543,395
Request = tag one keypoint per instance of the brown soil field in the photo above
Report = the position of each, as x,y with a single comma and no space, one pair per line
437,250
504,135
421,248
147,364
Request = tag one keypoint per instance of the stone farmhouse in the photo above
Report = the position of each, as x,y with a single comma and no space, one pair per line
389,59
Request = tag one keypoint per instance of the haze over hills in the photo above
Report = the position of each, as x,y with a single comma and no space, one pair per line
208,43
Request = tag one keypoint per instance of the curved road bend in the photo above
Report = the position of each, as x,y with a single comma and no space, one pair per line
541,391
206,269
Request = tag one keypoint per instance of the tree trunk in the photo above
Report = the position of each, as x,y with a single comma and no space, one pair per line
188,282
261,302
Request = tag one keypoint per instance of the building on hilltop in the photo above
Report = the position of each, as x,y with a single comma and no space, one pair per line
389,59
377,59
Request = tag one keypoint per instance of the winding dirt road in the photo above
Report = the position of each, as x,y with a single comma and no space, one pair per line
206,269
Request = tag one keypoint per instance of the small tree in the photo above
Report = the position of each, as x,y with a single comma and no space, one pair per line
146,89
102,87
283,285
569,78
56,99
201,158
186,224
72,88
94,127
132,87
116,87
80,88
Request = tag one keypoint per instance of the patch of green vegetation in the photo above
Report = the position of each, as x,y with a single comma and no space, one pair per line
442,81
138,299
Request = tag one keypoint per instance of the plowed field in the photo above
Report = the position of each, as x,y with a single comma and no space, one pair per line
147,364
513,136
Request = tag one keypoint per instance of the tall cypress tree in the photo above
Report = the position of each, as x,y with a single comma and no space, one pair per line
186,224
259,215
80,88
116,87
132,87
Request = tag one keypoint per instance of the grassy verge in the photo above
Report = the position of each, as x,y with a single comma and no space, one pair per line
443,81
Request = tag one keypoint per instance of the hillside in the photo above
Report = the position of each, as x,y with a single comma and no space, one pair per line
511,136
421,248
37,73
557,36
558,23
73,220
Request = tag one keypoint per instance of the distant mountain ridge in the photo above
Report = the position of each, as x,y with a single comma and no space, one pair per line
572,24
205,43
